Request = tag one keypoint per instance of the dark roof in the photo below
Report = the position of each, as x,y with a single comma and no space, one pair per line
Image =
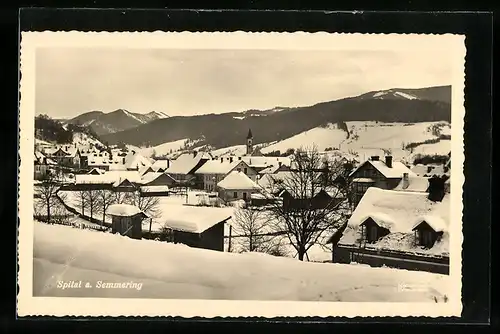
249,134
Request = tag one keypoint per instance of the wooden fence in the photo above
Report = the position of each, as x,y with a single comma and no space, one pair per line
393,259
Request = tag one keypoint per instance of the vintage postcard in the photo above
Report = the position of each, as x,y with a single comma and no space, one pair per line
240,174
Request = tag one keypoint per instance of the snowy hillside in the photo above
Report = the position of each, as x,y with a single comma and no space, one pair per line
373,138
322,137
83,139
176,271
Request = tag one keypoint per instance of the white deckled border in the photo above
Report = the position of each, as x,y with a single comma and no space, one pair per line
39,306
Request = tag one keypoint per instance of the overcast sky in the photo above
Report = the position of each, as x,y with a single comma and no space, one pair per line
70,81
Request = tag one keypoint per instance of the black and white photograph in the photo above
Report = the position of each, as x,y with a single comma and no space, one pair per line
320,169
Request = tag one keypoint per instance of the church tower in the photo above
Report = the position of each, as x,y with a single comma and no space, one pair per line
249,142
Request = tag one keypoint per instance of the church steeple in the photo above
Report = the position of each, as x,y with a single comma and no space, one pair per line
249,142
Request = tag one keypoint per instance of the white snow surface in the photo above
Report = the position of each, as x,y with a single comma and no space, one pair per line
163,149
237,180
174,271
322,137
123,210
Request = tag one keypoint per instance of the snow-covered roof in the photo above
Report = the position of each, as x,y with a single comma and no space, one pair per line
237,180
154,189
195,219
396,171
382,220
160,164
437,223
428,170
150,177
413,183
217,167
399,209
184,163
262,161
136,161
123,210
108,177
269,170
363,180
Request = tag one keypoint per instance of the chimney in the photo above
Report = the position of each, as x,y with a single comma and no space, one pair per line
388,161
279,163
222,159
374,157
406,181
194,154
436,189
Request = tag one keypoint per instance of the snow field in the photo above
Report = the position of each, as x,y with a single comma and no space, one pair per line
176,271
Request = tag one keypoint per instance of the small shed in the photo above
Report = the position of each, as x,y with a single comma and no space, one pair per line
126,219
206,233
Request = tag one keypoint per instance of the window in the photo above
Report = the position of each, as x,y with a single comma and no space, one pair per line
244,170
239,169
235,195
245,196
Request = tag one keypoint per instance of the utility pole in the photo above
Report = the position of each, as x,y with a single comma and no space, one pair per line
229,242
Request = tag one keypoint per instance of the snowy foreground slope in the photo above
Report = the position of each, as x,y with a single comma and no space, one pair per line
177,271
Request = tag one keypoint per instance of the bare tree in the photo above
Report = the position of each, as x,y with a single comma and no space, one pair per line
312,201
46,193
251,226
93,201
149,205
81,196
124,197
105,199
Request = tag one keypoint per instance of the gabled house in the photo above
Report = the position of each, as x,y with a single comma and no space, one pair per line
374,172
183,168
214,171
198,227
126,220
67,155
156,184
42,165
237,186
403,229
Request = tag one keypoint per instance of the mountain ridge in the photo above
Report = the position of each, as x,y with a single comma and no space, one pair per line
226,129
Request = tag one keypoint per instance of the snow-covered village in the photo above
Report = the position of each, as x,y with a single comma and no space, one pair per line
346,200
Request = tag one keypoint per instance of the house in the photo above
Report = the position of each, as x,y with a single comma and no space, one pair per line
376,173
237,186
307,194
136,161
110,180
67,155
402,229
183,168
126,219
214,171
156,184
42,165
198,227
